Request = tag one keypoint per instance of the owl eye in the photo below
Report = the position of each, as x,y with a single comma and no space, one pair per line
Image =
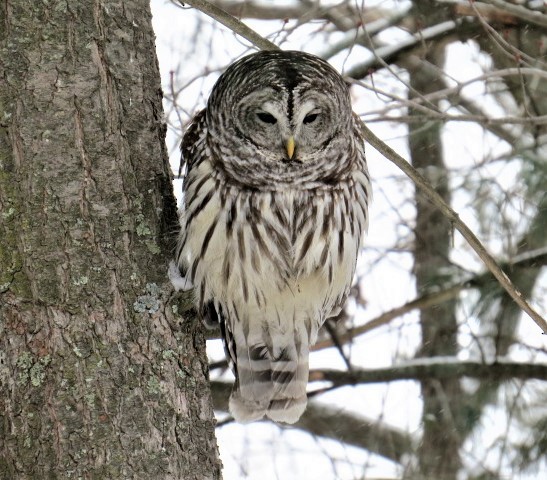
311,118
266,117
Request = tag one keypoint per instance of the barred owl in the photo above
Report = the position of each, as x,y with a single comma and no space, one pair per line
275,204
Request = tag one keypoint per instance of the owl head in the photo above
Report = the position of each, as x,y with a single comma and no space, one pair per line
279,116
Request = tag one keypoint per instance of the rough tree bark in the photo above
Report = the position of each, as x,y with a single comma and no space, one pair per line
98,376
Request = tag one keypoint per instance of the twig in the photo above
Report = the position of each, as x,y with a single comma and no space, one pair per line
453,95
387,54
232,23
449,92
334,338
446,117
523,13
505,47
466,232
352,37
422,302
529,259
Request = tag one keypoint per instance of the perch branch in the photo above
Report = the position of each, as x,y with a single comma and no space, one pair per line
339,424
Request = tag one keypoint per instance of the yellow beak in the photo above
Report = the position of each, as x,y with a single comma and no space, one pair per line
290,147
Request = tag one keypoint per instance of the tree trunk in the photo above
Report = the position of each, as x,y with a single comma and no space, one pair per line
438,453
439,450
98,378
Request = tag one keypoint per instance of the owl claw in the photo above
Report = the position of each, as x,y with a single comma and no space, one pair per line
177,280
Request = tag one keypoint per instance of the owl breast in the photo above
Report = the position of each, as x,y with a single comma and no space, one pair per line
293,249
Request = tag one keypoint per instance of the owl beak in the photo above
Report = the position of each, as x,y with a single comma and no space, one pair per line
290,147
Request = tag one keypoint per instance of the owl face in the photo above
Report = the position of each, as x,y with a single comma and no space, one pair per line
278,114
287,126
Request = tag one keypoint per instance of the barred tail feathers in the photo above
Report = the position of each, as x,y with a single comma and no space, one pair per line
271,376
252,391
290,379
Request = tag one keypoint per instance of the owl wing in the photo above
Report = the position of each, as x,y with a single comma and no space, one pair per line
192,142
193,152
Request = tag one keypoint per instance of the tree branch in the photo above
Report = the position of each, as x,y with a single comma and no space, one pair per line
453,95
435,367
390,53
353,37
338,424
356,430
343,15
531,259
508,9
231,22
264,11
425,301
535,17
389,442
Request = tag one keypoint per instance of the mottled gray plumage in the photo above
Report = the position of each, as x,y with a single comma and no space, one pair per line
275,205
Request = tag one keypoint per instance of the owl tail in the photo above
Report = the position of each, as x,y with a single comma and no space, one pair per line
271,381
290,379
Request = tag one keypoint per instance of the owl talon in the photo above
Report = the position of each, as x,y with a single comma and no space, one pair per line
177,280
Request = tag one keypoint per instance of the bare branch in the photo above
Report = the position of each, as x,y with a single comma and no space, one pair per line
390,53
435,367
535,17
504,46
505,8
356,430
353,37
232,23
344,16
337,424
453,95
482,119
334,423
422,302
530,259
264,11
